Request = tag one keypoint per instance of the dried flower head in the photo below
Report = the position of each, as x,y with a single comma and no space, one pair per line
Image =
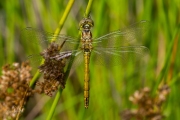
52,69
149,107
14,88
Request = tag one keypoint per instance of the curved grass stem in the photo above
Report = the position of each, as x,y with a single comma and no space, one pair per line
88,8
62,20
57,31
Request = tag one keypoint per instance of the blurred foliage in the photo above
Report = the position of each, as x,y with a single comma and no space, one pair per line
110,87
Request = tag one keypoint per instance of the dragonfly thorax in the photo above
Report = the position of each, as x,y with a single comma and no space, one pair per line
86,36
86,40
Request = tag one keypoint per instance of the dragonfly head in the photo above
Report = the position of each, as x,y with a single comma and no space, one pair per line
86,23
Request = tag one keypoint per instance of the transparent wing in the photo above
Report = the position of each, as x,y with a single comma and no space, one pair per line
36,59
76,62
124,36
119,55
112,41
37,38
42,38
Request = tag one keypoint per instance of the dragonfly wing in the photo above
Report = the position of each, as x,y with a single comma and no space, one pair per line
124,36
41,38
75,56
37,38
119,55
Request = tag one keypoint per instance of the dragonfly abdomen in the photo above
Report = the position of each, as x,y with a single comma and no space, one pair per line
86,78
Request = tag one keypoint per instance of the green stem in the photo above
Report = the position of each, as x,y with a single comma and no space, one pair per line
61,23
58,95
88,8
53,107
35,77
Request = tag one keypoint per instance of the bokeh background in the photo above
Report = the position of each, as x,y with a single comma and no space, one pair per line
110,87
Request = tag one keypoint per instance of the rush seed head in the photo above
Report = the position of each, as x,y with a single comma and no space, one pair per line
149,107
52,69
14,88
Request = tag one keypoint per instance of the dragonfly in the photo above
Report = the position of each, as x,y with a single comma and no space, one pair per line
112,48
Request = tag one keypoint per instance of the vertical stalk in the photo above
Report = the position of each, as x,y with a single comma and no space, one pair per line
88,8
61,23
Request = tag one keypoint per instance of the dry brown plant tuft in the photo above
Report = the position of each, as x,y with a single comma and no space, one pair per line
52,69
14,89
148,107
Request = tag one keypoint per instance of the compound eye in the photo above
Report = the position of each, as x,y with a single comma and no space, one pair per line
90,22
82,23
86,21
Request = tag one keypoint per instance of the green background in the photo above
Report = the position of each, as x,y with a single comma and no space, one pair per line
110,87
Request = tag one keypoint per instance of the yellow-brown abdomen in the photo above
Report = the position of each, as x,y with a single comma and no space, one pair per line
86,79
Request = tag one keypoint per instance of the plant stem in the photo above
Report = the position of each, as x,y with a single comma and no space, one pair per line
61,23
88,8
35,77
53,107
